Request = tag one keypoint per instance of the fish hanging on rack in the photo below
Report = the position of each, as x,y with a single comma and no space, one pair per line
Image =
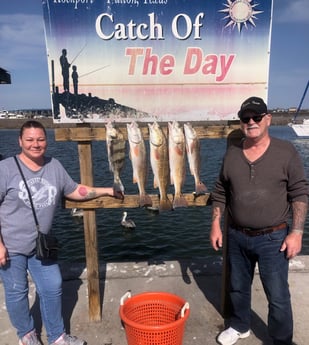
194,159
159,163
138,156
177,161
116,152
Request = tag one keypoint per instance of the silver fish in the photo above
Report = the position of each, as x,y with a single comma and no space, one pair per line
138,156
116,152
177,161
194,159
159,163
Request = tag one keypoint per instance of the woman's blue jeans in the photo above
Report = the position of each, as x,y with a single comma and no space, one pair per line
243,254
48,282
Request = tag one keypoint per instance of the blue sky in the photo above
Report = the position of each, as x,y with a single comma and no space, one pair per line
23,54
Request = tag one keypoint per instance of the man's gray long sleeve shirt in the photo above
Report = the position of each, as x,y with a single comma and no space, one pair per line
259,194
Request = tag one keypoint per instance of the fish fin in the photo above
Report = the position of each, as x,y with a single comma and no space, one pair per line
110,165
165,205
200,188
180,201
155,183
145,201
156,154
179,151
192,172
136,150
194,146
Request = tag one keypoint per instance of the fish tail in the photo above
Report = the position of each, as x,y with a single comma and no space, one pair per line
180,201
200,188
145,201
165,205
118,186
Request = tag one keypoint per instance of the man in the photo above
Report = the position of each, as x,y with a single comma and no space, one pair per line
261,180
65,67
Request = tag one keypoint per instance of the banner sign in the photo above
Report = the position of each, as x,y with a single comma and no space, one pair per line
155,60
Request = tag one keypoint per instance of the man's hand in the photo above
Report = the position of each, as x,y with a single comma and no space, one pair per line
292,244
216,232
215,236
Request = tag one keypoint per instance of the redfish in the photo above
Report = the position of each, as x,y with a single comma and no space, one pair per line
116,152
138,156
194,159
159,163
177,161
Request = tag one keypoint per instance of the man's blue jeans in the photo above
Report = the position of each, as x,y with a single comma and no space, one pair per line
48,282
243,254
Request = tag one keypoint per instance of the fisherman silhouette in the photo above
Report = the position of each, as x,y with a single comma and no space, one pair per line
65,66
75,79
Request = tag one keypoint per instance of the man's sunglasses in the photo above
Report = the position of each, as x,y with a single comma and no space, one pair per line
255,118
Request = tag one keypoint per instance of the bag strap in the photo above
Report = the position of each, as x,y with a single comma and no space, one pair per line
30,198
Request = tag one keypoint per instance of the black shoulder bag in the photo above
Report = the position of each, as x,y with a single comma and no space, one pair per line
46,245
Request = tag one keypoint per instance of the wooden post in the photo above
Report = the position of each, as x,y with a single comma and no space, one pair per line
90,231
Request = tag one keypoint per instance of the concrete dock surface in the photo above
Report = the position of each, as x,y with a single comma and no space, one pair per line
196,281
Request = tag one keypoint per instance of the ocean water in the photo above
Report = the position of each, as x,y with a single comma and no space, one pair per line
179,234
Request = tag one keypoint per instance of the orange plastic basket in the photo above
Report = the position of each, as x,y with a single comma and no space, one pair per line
154,318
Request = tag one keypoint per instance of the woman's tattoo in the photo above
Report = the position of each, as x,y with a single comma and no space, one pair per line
83,191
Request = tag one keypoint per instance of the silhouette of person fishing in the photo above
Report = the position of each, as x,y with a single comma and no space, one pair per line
74,76
65,66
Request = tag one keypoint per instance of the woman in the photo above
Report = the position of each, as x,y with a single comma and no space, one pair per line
48,182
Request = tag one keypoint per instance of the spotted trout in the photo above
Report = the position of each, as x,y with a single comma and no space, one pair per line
159,163
116,152
139,162
177,161
194,159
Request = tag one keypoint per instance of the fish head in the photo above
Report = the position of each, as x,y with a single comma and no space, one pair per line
190,132
156,135
176,132
111,131
134,133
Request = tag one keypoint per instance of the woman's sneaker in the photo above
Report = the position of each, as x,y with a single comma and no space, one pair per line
230,336
29,339
66,339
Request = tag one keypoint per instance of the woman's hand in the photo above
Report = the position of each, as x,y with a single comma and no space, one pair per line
3,254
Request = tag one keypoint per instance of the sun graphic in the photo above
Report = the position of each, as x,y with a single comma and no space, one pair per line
239,13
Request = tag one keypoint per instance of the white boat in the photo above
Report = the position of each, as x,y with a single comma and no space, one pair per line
3,114
301,129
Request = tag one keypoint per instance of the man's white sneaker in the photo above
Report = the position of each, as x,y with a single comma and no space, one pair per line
230,336
29,339
66,339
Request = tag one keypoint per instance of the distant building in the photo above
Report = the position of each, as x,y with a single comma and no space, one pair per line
5,77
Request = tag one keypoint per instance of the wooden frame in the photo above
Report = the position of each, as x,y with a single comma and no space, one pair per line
84,135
